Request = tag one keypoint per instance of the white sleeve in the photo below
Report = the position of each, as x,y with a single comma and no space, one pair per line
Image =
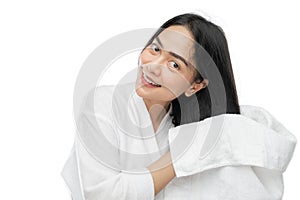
93,173
228,140
256,154
249,183
87,179
102,182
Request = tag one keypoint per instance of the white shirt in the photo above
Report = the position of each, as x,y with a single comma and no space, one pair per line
228,156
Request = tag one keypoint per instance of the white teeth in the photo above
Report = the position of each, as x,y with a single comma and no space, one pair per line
150,81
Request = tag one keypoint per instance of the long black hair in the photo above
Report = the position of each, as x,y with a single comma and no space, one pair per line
209,101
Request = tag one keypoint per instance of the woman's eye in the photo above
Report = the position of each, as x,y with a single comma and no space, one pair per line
155,48
174,65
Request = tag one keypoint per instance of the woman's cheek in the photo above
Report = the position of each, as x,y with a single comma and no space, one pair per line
174,85
184,84
145,57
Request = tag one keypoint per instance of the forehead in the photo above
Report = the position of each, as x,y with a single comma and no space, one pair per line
179,40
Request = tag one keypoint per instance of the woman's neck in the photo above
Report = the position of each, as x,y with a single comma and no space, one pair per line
157,110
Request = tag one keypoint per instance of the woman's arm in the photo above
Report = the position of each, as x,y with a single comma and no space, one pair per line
97,181
162,172
89,179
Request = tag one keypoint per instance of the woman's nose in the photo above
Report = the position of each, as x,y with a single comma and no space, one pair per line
154,68
156,65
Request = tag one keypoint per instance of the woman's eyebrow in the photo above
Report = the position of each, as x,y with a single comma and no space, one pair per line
178,57
171,53
159,42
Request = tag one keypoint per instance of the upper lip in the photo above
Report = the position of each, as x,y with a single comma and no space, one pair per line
150,78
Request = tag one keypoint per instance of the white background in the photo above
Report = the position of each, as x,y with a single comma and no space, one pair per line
43,45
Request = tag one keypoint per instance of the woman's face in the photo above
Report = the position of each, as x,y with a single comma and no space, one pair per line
167,63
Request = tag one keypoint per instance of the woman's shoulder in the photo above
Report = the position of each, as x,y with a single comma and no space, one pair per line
102,98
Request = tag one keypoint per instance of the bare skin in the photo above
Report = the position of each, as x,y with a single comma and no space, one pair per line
175,76
162,172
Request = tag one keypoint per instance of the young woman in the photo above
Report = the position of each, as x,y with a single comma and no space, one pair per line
178,131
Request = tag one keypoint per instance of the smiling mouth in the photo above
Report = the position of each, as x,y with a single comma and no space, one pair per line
149,82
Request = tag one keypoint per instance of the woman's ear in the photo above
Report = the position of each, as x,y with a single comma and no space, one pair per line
195,87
